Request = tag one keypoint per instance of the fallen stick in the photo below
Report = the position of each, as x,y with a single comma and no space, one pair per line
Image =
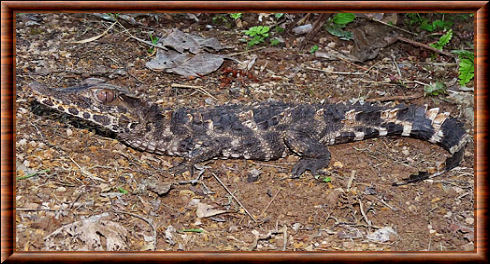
233,196
425,46
396,97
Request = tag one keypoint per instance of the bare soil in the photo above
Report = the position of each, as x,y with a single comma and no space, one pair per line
77,172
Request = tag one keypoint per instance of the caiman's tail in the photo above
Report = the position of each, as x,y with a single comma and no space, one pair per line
435,127
412,121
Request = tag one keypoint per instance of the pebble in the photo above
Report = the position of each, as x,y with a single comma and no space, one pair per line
469,220
22,142
296,226
302,29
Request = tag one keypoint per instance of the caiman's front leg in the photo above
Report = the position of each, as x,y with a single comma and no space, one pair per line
198,154
314,155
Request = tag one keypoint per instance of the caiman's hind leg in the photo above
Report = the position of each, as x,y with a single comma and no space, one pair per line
314,155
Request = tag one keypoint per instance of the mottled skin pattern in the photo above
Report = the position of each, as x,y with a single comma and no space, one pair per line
261,131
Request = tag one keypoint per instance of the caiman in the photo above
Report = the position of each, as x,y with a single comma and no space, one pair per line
259,131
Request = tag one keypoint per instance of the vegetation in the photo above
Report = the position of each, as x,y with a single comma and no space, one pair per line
336,25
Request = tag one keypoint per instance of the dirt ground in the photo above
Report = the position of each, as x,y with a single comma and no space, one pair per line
68,171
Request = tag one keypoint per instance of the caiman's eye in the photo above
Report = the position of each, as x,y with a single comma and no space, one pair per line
105,96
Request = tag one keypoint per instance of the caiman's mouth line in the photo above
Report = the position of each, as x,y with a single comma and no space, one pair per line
49,97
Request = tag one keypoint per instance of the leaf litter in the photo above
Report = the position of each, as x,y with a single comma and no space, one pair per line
187,55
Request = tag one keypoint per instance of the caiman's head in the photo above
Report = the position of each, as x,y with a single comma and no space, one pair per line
104,104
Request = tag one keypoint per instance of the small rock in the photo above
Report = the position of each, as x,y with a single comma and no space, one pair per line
338,164
209,101
405,151
22,142
469,220
296,226
159,188
69,132
382,235
300,30
253,175
370,190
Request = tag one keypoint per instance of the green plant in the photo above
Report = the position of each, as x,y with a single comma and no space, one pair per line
314,49
434,89
114,15
221,19
466,63
122,190
236,15
279,29
154,41
443,40
336,25
258,34
343,18
278,15
275,42
425,24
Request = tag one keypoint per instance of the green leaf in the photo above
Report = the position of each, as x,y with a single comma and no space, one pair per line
466,71
425,25
337,31
462,54
343,18
195,230
236,15
327,179
278,15
435,89
122,190
313,49
443,40
279,29
32,174
274,42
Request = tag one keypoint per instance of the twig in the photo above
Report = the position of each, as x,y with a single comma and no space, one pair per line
352,176
125,30
148,221
425,46
236,199
421,83
362,212
393,26
334,72
242,52
387,204
396,65
396,97
87,173
285,239
95,37
351,63
198,88
270,202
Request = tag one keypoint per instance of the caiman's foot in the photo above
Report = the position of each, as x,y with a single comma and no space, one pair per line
182,168
310,164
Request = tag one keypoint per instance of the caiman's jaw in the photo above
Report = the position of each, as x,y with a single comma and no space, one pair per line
103,104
